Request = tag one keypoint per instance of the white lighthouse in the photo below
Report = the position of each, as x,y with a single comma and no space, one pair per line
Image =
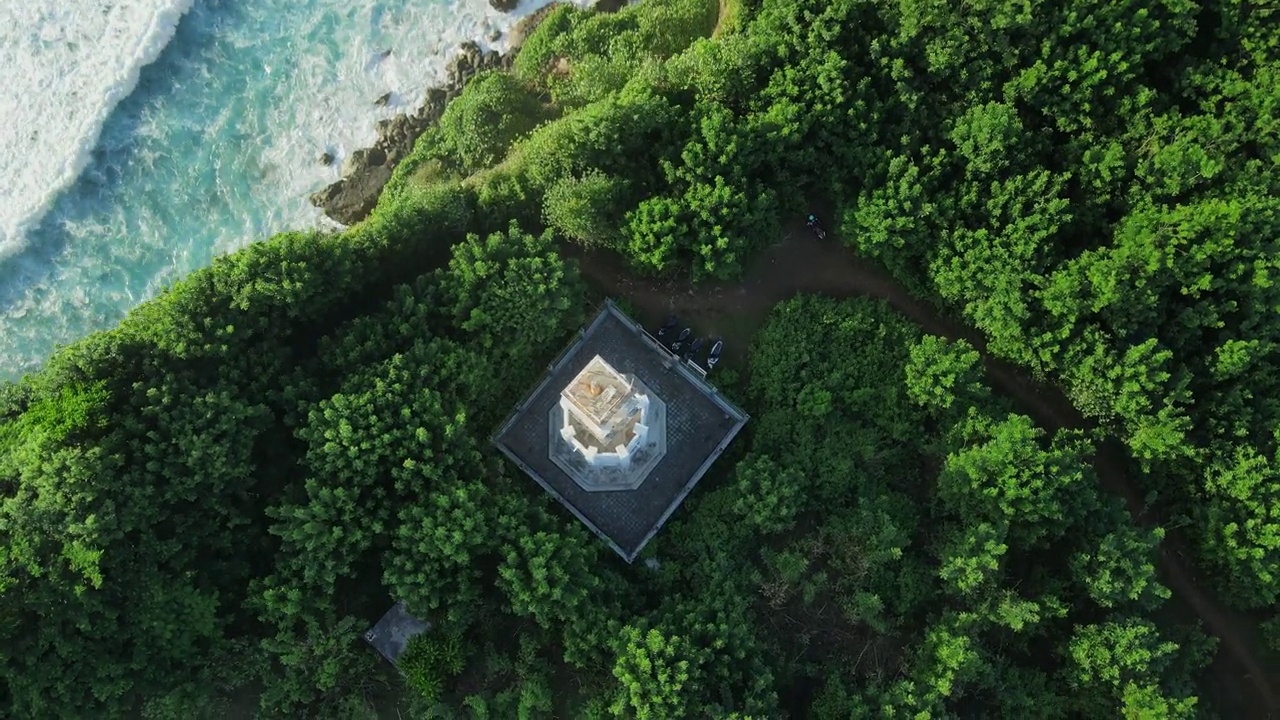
604,416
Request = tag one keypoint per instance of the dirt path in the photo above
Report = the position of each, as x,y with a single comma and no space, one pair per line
722,17
800,264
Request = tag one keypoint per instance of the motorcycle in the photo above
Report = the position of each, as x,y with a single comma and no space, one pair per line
692,350
714,356
816,226
684,335
669,325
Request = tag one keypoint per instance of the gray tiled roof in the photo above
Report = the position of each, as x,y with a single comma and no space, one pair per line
700,424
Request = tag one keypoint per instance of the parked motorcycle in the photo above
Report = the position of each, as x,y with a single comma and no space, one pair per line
714,356
692,350
679,343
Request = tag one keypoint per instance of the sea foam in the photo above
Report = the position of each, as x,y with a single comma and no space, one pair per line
217,146
67,65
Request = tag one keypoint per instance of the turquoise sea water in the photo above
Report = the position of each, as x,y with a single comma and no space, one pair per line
215,146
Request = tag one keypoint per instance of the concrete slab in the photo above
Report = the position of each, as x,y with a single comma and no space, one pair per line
392,633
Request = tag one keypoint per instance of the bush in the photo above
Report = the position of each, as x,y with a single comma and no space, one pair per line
604,51
587,209
411,232
942,374
513,296
656,232
725,71
623,135
726,209
541,46
503,194
429,661
480,125
767,494
594,78
665,27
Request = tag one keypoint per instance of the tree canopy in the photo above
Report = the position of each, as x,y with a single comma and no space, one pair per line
202,509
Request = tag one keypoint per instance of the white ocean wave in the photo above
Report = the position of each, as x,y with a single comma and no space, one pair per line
67,65
219,149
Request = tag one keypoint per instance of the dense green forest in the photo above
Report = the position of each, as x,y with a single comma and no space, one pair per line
204,508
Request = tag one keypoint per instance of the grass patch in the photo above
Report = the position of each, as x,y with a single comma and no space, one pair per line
732,16
540,46
429,173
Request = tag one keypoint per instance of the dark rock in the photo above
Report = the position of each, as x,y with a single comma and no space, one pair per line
352,198
471,62
396,135
469,59
326,158
495,35
433,104
504,5
384,54
383,100
363,159
609,6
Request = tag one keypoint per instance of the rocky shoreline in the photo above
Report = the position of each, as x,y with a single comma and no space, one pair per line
366,171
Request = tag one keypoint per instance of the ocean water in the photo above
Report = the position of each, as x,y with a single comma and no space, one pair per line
144,137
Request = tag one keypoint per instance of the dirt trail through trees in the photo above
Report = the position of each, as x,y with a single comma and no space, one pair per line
801,264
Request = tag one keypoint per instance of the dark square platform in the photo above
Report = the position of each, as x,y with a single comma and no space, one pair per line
700,424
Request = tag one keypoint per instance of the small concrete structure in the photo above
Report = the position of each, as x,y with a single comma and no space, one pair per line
619,430
392,633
